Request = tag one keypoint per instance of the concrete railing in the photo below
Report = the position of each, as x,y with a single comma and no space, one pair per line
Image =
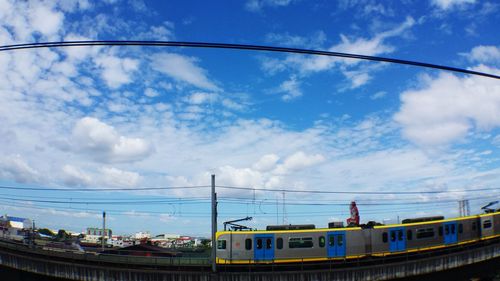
92,267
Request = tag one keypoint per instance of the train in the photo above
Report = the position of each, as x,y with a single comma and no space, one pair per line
305,243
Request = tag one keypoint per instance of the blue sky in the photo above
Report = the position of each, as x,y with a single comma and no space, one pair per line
135,117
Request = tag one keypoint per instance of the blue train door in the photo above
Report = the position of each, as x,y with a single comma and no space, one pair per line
397,239
450,232
336,244
264,247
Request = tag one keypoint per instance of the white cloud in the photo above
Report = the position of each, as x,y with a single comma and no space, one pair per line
373,46
21,21
114,177
484,54
266,163
291,88
183,69
243,177
161,32
151,93
201,97
75,177
44,19
257,5
103,142
298,161
73,5
117,71
450,4
357,78
378,95
447,107
15,167
317,39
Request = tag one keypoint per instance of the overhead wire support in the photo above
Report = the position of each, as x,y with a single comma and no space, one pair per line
239,47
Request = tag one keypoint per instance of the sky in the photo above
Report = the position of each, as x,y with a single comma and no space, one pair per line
129,118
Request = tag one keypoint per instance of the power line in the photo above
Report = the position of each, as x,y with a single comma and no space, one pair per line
205,214
230,201
248,189
102,189
356,192
240,47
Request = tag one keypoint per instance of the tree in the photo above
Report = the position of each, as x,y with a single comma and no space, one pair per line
62,235
46,231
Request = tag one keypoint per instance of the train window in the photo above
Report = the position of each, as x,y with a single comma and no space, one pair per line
409,234
221,244
425,233
440,231
393,236
460,228
474,225
269,243
279,243
400,235
340,240
331,240
453,229
248,244
300,242
487,224
259,243
321,241
446,229
384,237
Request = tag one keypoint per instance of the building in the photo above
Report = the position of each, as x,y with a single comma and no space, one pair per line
142,235
93,235
165,240
15,222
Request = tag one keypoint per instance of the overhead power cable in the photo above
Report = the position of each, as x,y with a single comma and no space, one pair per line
103,189
239,47
356,192
205,214
204,200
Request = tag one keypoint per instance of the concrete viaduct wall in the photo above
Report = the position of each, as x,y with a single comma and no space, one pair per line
92,269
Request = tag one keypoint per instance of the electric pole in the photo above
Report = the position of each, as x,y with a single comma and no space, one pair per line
103,229
214,225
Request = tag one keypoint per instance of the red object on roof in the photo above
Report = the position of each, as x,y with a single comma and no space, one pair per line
354,219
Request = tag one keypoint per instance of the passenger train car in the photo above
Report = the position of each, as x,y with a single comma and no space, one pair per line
303,245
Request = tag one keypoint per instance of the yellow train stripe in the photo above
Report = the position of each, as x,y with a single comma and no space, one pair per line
285,260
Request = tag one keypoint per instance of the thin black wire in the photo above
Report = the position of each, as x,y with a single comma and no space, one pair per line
249,189
102,189
205,214
242,200
239,47
355,192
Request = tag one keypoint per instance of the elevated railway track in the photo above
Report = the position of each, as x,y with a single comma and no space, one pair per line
93,267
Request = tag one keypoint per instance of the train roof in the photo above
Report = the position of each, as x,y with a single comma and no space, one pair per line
353,228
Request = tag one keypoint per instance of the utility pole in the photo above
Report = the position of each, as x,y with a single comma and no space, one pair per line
32,240
214,225
277,211
103,229
463,208
284,209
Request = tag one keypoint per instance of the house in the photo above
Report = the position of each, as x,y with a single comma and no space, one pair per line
93,236
15,222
